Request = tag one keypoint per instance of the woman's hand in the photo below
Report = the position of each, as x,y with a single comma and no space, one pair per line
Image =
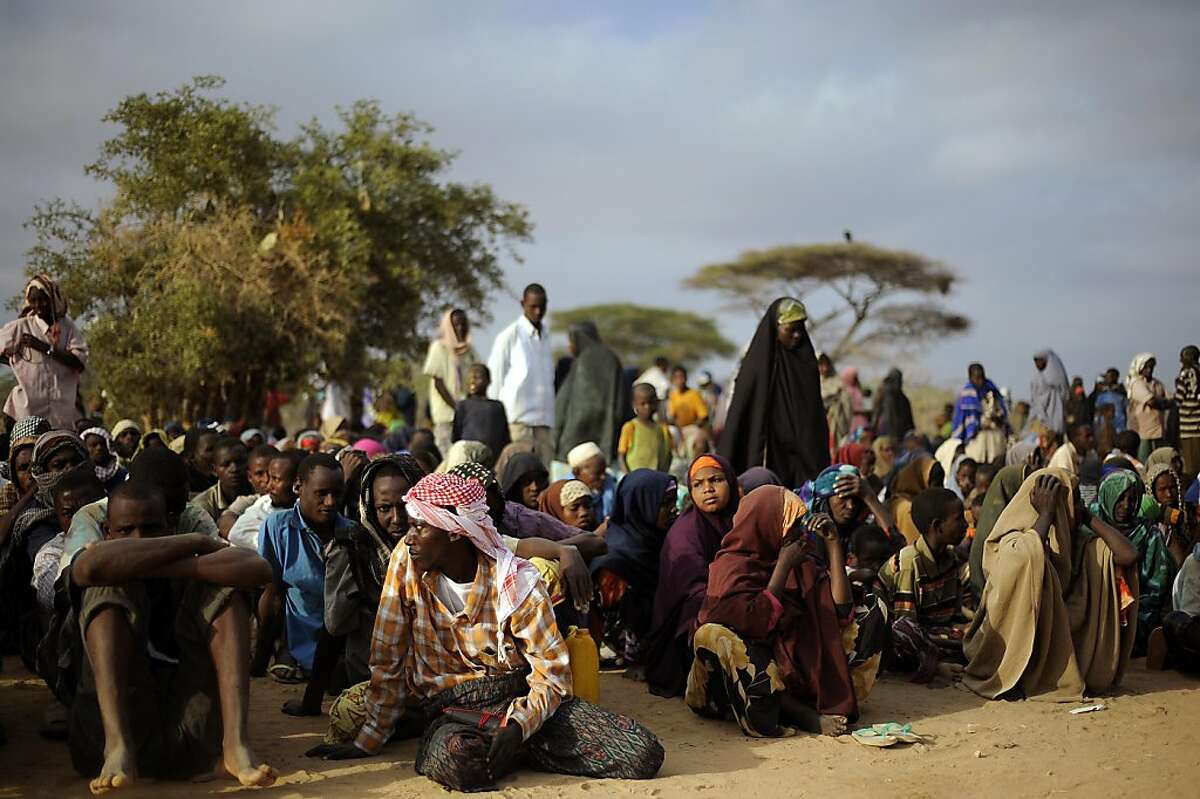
822,524
850,485
1044,496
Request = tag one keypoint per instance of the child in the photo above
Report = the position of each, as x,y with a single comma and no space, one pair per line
922,585
478,418
687,410
965,475
984,474
644,443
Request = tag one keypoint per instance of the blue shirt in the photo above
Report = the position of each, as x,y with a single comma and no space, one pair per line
606,498
297,559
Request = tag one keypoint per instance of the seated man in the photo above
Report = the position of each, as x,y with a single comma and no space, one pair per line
242,529
258,464
229,466
589,465
163,689
458,605
293,542
922,585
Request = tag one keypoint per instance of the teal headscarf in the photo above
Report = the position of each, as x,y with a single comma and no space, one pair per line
1156,565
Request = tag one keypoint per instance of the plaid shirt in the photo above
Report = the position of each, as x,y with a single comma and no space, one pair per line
419,648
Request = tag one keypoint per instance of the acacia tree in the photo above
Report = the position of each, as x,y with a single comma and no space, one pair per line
638,334
229,261
880,298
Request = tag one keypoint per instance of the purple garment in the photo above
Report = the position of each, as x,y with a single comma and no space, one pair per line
522,522
689,548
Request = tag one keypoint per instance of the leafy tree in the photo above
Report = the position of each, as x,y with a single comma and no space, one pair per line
880,298
229,262
638,334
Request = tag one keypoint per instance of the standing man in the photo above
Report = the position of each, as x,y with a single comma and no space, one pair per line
450,356
1187,398
523,374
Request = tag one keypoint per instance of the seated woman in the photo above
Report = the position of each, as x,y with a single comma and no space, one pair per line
771,649
523,479
841,493
919,474
465,627
100,448
514,518
627,577
569,501
1160,553
1050,621
689,548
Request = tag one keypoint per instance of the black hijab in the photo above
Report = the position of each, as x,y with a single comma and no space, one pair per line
893,411
777,418
633,538
592,402
520,468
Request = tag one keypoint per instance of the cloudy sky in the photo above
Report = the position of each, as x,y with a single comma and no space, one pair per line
1048,152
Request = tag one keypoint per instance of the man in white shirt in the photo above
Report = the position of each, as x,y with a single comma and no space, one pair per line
522,368
657,376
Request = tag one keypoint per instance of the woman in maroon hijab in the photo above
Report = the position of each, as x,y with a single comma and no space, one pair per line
770,647
690,547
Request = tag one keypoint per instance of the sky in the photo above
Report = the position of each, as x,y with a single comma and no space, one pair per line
1048,153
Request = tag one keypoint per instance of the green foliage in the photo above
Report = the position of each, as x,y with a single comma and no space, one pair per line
229,262
868,286
638,333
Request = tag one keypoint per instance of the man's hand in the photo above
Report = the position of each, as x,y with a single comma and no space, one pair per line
337,752
206,544
576,577
34,343
505,747
1044,496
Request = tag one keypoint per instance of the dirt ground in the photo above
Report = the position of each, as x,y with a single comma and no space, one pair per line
1147,742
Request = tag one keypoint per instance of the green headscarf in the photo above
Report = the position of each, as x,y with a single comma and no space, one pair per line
1111,490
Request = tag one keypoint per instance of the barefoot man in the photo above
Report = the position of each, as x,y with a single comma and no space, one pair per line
163,689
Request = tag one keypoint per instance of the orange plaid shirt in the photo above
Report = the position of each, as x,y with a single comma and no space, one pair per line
419,648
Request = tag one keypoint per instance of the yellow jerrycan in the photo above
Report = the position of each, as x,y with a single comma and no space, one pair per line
585,664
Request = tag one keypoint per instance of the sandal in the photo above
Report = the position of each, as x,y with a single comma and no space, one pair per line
287,674
887,734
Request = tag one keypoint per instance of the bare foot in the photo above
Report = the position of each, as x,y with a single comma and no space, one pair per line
950,671
119,771
833,726
239,762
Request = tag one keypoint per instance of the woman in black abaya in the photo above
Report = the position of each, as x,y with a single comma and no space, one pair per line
776,418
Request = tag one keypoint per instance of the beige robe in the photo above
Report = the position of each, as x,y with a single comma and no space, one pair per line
1049,621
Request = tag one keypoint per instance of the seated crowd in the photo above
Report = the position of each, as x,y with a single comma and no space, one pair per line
766,556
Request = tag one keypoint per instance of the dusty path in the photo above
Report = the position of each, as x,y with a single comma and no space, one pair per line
1148,740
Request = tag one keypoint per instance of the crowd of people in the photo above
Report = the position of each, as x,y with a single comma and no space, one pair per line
766,552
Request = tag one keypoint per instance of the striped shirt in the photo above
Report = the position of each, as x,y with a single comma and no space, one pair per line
1187,395
420,648
918,584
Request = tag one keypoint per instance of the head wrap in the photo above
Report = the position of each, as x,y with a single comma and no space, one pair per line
330,426
409,468
1112,488
885,461
477,472
25,433
1136,366
126,424
521,467
309,440
58,303
370,446
465,452
459,507
47,446
455,346
572,492
583,453
109,469
851,454
1162,455
251,433
791,311
757,477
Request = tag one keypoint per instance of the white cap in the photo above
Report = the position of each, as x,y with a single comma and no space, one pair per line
583,453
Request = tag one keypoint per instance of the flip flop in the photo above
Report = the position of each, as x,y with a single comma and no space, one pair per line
886,734
287,674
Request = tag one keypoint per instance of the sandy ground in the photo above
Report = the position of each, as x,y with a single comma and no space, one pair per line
1147,740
